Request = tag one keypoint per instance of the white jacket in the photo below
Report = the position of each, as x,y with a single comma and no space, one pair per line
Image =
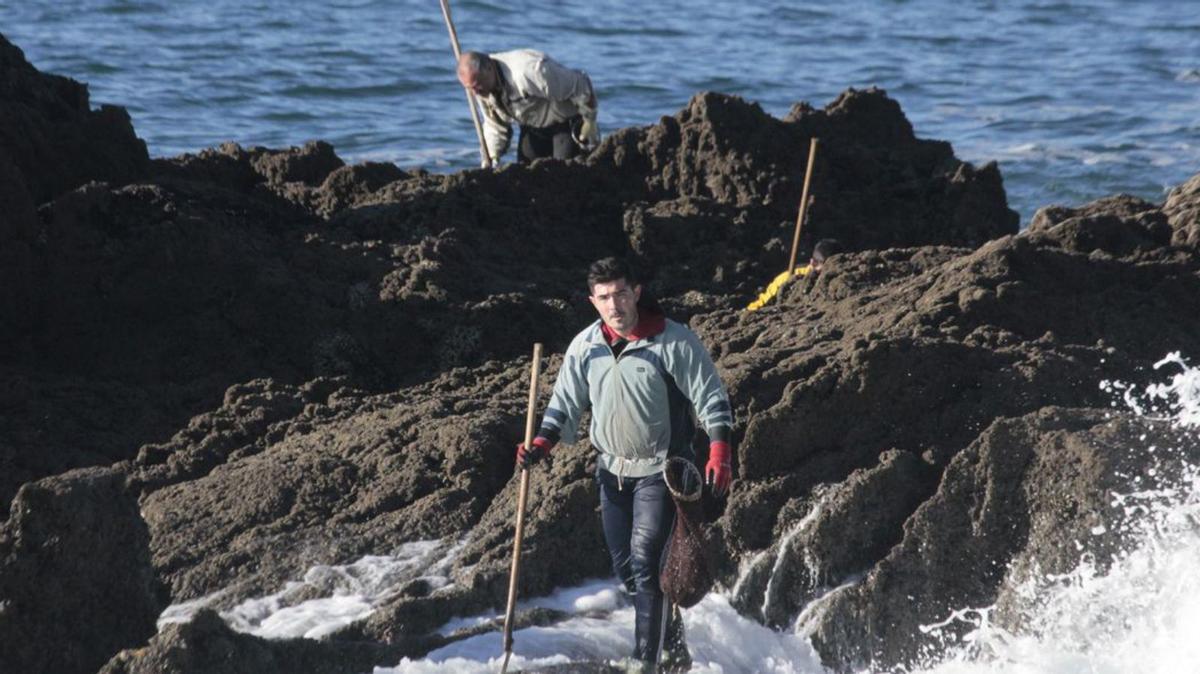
535,91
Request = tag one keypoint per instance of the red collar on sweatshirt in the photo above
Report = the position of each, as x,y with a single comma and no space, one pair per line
650,323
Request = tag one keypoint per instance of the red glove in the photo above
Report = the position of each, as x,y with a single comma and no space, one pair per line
540,450
718,472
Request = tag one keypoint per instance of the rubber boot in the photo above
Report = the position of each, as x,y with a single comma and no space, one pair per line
635,666
648,628
676,658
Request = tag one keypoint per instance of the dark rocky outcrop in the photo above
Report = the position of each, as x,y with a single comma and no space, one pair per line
234,264
723,149
76,583
920,350
324,474
839,531
18,232
206,645
856,390
349,344
1182,209
1118,225
1031,492
54,139
51,141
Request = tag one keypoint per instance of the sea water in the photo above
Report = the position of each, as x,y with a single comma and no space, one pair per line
1075,100
1141,614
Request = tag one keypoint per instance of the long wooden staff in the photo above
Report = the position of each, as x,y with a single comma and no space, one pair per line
516,562
483,148
812,155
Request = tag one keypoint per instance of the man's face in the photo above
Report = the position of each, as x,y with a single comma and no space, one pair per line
481,83
617,304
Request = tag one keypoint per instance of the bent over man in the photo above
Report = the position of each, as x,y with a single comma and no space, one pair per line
555,105
642,376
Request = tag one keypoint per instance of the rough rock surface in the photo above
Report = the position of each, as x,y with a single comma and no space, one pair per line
282,478
1031,491
1183,212
350,345
76,583
920,350
52,136
51,141
1117,225
18,230
856,390
207,644
840,531
234,264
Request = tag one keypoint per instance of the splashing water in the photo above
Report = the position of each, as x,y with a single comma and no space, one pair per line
721,641
351,592
1138,614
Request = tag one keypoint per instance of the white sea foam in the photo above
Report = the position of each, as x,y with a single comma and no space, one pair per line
345,593
1141,613
721,641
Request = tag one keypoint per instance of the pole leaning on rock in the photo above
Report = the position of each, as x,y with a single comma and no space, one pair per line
483,148
812,155
530,412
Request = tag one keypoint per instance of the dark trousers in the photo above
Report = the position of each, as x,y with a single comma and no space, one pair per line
637,516
550,141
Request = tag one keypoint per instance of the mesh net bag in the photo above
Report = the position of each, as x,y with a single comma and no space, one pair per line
685,577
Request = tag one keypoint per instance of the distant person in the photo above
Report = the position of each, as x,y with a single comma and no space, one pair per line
642,376
554,105
825,248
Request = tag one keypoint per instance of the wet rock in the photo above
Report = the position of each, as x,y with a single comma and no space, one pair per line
206,645
534,617
1026,494
919,350
75,574
841,531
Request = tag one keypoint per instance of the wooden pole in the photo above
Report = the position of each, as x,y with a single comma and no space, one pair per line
483,148
812,155
524,491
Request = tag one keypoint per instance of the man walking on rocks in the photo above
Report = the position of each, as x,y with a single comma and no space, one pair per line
642,376
555,105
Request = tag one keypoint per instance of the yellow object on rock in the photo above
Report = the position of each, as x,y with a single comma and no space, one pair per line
775,285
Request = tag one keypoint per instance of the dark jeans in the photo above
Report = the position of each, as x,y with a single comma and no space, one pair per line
637,516
550,141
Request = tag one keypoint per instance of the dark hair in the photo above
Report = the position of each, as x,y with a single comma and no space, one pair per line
608,270
826,248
